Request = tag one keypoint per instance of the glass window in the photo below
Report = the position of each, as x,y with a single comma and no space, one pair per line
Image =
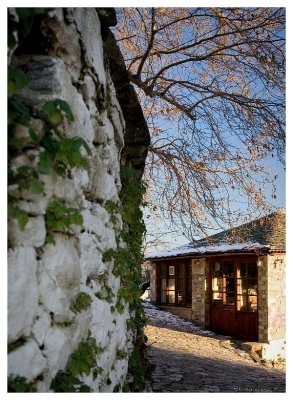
175,284
163,270
223,284
171,290
247,287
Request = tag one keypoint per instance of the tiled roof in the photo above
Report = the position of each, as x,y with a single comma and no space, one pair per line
266,233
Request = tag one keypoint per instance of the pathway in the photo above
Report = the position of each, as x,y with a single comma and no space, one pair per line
189,359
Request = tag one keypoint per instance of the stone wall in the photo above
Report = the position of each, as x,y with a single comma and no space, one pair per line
153,280
272,306
199,305
276,296
262,299
62,297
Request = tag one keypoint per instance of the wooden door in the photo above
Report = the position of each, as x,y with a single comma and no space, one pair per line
233,299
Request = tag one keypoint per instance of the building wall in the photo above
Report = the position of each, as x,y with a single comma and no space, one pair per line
276,297
263,299
199,290
272,297
45,281
271,301
183,312
153,280
272,305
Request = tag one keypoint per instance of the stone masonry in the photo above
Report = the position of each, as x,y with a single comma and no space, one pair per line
198,290
44,280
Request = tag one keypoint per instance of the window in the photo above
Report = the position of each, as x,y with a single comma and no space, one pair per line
247,287
223,284
234,284
175,284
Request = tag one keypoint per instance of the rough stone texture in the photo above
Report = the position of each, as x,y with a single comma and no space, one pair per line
23,291
183,312
276,296
34,235
27,361
151,267
68,61
198,291
272,305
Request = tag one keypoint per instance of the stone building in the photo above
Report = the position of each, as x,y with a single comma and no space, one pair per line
232,283
69,329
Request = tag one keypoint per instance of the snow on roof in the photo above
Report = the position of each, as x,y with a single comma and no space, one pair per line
199,250
265,233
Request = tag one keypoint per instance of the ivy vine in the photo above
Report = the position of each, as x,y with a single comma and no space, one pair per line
128,258
57,155
82,360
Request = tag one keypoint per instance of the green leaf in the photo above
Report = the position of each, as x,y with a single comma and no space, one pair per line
80,142
53,109
22,218
37,186
65,107
18,113
19,384
59,217
50,239
15,212
16,81
84,389
34,136
45,163
82,302
53,112
60,168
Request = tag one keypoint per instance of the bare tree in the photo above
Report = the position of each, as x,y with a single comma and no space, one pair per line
211,83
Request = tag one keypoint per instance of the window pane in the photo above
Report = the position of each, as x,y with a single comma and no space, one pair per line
181,297
163,270
252,303
171,296
241,286
181,271
243,270
181,284
228,269
252,270
242,303
171,284
252,286
163,290
217,284
230,285
217,295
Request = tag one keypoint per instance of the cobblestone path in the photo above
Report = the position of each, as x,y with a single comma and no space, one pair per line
188,359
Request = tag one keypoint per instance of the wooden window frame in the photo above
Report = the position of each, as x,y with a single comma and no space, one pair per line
177,292
237,261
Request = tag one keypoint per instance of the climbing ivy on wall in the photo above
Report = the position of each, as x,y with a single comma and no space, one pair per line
56,154
81,361
128,259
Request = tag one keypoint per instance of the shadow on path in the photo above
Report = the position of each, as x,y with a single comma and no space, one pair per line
178,371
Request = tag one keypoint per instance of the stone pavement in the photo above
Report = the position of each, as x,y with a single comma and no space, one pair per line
192,360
